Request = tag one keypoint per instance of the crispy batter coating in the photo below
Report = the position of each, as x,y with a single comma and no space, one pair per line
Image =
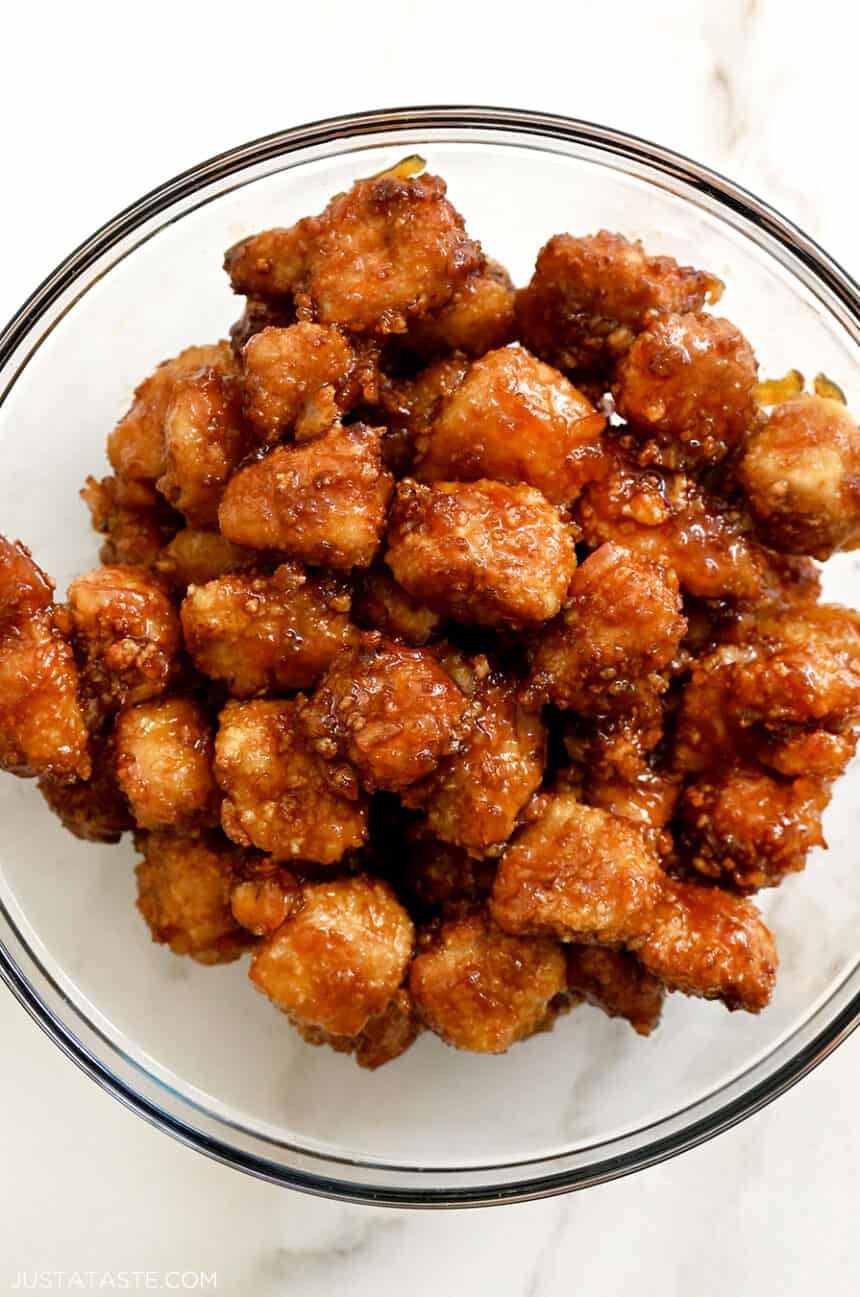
479,317
194,557
94,810
379,603
474,797
579,874
749,827
127,634
388,251
164,763
135,520
136,445
801,473
260,313
303,378
669,519
481,552
390,711
781,694
339,959
623,622
183,893
515,419
42,729
649,799
386,1036
262,902
687,387
589,297
258,633
616,982
482,990
205,440
323,501
277,796
707,942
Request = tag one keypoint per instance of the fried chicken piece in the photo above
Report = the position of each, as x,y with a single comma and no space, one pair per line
183,893
339,959
616,982
379,603
386,1036
817,753
479,317
264,901
205,440
474,797
194,557
750,828
622,624
322,501
579,874
260,313
127,634
709,943
801,474
275,632
277,796
621,742
42,730
667,518
303,379
136,445
648,799
589,297
164,763
409,405
687,389
93,810
480,989
135,520
386,252
390,711
514,419
481,552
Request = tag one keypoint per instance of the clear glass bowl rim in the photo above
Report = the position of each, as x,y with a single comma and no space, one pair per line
344,1178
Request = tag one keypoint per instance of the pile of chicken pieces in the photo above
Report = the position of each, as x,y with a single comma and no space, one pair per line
456,650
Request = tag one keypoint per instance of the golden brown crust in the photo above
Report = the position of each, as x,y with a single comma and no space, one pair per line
479,316
801,474
136,445
706,942
514,419
579,874
622,623
262,902
42,729
474,797
482,990
205,440
164,758
323,501
127,634
589,297
258,633
339,959
480,552
277,796
390,712
616,982
194,557
184,884
687,389
386,1036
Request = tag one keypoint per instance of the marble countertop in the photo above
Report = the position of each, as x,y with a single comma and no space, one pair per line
756,88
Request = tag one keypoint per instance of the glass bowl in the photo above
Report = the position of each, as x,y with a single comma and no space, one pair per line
193,1049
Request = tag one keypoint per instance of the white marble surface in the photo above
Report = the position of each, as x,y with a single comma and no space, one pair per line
103,107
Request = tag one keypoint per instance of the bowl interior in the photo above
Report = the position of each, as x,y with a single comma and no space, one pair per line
204,1033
